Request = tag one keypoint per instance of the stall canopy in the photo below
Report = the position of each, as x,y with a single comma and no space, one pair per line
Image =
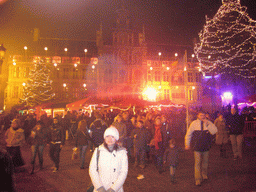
88,101
126,102
249,99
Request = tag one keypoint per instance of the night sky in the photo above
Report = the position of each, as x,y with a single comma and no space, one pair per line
166,21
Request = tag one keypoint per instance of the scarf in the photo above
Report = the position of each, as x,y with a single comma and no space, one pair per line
158,136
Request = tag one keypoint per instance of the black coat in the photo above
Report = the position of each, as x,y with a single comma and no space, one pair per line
235,124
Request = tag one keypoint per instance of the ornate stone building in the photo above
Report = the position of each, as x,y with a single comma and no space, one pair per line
122,68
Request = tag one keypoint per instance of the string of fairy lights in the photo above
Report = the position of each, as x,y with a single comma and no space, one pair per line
227,42
38,88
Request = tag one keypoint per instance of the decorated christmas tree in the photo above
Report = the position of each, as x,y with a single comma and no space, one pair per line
228,42
38,88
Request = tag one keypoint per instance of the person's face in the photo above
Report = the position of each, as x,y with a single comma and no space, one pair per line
233,111
110,140
55,121
158,122
126,116
119,119
133,120
14,124
201,116
139,125
164,119
38,127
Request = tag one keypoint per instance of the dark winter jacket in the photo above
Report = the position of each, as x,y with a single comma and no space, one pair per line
171,156
142,138
57,134
82,138
235,124
41,136
98,128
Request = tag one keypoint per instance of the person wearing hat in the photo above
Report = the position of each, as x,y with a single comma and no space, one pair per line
108,172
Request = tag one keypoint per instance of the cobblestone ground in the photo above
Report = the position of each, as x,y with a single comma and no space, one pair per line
224,174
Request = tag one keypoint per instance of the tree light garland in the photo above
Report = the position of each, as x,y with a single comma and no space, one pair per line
227,42
38,88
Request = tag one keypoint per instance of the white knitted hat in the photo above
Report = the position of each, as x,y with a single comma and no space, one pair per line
112,131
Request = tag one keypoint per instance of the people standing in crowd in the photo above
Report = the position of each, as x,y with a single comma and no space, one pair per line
159,146
201,129
166,130
149,122
28,125
39,138
109,164
141,139
149,125
171,158
221,135
129,128
81,140
57,140
121,127
6,171
97,129
235,126
15,138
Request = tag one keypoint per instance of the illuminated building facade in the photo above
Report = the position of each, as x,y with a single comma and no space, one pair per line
122,68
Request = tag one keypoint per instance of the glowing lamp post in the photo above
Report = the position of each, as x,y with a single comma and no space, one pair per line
46,49
25,48
65,89
66,51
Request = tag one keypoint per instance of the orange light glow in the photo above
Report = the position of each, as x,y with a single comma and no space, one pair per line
150,94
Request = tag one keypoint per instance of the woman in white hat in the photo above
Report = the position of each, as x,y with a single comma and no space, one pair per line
110,173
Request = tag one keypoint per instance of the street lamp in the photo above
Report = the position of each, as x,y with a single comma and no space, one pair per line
25,48
65,89
46,49
66,50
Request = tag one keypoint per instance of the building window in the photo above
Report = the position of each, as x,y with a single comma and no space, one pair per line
157,76
15,92
75,73
198,77
165,77
166,94
190,95
83,74
108,76
149,75
198,95
16,72
75,93
178,95
122,76
26,74
190,77
65,73
58,74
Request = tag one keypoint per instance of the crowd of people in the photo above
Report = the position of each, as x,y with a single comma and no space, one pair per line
122,137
